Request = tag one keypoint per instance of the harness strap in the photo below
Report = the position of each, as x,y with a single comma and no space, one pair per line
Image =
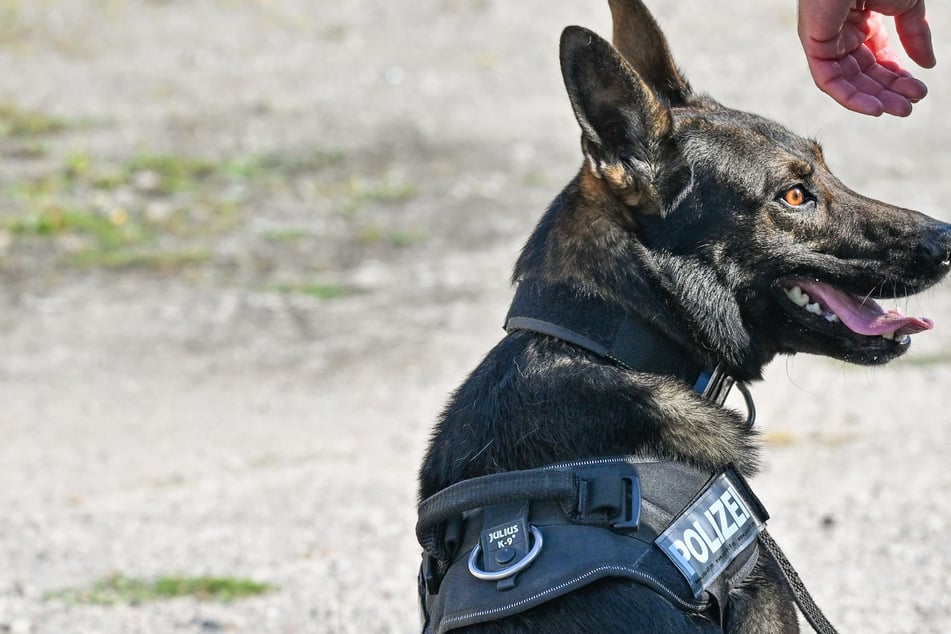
584,499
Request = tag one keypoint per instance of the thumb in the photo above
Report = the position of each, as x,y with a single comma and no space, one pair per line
915,35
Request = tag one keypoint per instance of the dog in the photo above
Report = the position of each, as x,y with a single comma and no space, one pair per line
719,239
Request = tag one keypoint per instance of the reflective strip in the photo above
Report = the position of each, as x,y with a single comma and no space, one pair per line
710,534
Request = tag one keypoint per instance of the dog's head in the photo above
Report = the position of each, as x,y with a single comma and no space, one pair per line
751,245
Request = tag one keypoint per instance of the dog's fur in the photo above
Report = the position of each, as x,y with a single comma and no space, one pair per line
677,214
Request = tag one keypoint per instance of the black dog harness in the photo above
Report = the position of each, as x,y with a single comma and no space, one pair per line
498,545
518,539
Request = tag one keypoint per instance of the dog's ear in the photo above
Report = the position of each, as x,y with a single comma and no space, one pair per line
625,127
641,42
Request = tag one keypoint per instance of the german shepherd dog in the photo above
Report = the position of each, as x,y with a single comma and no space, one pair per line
731,236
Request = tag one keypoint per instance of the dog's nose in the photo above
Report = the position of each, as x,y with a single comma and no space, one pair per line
935,248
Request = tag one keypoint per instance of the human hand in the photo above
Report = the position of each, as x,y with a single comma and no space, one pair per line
850,58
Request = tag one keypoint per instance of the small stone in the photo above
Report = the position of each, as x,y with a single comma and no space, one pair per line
21,626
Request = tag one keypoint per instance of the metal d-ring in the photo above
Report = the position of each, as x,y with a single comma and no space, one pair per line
508,571
750,406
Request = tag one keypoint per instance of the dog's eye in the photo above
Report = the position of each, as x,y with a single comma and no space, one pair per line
795,196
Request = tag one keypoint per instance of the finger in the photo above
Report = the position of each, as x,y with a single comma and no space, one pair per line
880,76
873,83
829,79
915,35
877,41
872,90
894,104
847,95
861,70
897,81
910,88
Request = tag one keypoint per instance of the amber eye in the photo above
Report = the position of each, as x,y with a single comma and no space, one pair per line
795,196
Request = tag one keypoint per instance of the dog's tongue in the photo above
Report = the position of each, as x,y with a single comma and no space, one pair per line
863,315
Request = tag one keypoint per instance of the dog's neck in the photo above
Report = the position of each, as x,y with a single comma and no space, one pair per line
606,329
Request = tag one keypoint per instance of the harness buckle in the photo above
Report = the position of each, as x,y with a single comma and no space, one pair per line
611,499
429,575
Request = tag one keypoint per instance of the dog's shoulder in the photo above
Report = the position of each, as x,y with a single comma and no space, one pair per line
536,400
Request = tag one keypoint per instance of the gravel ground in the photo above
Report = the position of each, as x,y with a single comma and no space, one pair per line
244,384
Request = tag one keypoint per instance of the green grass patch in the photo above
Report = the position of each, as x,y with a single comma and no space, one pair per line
110,230
357,192
181,199
22,123
286,235
119,589
402,238
160,174
535,178
405,238
159,211
167,174
319,290
308,162
383,190
162,261
26,150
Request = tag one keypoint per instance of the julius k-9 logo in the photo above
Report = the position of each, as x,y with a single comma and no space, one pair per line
709,534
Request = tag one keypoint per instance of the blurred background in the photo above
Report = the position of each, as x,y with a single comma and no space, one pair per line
248,247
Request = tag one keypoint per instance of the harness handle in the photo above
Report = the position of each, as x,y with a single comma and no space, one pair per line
497,488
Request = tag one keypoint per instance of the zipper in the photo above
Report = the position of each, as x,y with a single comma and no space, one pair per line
598,461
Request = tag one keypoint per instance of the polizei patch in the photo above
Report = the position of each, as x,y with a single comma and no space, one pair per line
710,533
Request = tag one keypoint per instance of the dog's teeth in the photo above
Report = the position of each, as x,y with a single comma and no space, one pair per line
815,308
889,335
796,296
831,317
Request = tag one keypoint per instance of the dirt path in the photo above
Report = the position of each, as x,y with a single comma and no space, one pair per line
246,248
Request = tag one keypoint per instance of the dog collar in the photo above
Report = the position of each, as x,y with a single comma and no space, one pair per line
607,330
